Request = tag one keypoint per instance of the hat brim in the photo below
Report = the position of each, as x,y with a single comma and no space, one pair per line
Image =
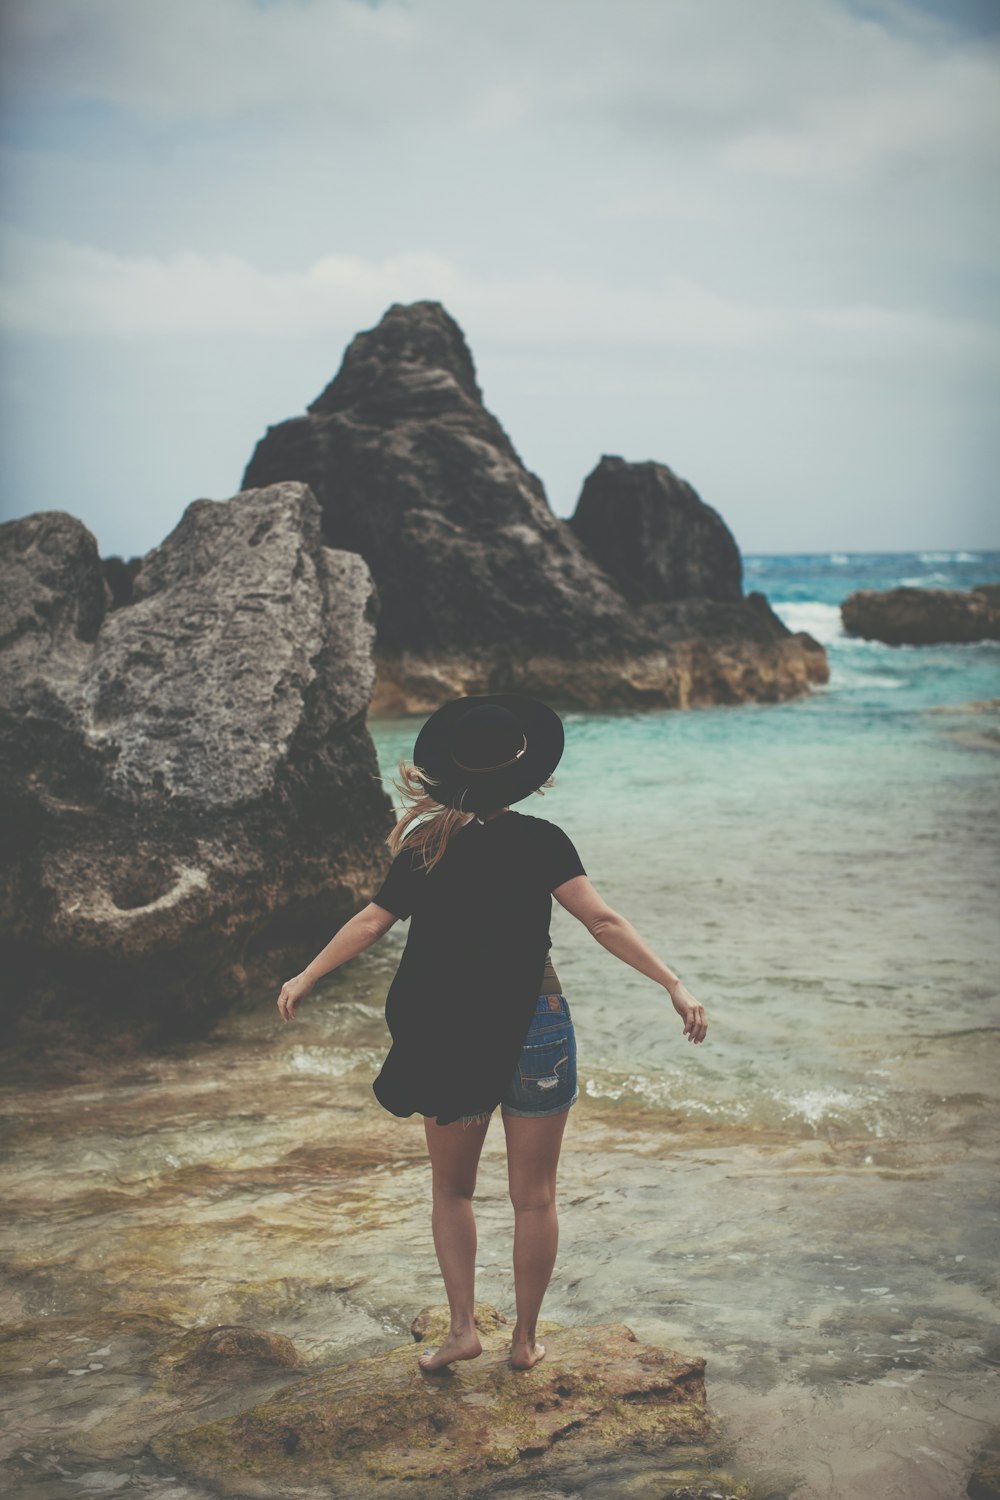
541,726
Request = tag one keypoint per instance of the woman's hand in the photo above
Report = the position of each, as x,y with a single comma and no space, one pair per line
292,991
690,1012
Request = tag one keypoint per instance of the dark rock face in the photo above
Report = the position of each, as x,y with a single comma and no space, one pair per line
188,778
120,578
482,588
414,473
922,617
655,536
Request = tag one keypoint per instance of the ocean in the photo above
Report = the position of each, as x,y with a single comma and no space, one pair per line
819,872
808,1199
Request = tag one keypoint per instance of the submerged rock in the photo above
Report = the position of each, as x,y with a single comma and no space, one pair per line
984,1478
187,778
382,1426
482,588
923,617
225,1351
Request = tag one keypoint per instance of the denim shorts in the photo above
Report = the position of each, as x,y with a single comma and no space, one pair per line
544,1081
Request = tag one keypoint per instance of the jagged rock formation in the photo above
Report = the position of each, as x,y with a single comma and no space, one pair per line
189,778
922,617
381,1426
482,588
655,536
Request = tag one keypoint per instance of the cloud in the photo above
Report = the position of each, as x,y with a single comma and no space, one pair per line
60,288
780,86
732,235
916,117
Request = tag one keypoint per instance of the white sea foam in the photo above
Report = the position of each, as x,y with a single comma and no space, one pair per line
816,1105
821,621
328,1063
843,677
839,557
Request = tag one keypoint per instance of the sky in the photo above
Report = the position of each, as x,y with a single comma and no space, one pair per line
755,240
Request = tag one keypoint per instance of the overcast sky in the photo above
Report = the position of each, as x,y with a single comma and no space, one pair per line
756,240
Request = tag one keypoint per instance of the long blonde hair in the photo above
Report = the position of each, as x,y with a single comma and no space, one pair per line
435,824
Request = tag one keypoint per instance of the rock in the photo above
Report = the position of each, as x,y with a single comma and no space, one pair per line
923,617
226,1350
482,588
984,1478
414,473
186,780
382,1426
971,706
653,534
432,1323
120,578
54,597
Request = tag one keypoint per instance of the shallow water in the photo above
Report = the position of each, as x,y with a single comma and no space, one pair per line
808,1199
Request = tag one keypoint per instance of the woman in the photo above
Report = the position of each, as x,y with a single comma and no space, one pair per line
476,1012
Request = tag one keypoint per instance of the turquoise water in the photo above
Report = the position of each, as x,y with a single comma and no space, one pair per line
822,873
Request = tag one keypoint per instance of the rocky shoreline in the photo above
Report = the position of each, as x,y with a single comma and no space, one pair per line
188,780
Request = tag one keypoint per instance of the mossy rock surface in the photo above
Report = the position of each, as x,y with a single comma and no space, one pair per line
382,1424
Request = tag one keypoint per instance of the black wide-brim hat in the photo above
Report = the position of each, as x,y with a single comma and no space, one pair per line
485,752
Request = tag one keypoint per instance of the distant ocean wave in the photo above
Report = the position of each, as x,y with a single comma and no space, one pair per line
841,676
932,557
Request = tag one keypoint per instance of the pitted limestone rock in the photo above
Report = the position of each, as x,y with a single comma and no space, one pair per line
186,775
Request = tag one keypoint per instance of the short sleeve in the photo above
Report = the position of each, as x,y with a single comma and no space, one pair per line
560,860
395,894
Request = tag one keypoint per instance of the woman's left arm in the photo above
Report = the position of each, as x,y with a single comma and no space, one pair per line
363,929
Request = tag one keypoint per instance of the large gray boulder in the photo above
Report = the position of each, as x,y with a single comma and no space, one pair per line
922,617
482,588
186,780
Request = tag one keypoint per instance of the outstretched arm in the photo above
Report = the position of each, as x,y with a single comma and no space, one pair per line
616,933
364,929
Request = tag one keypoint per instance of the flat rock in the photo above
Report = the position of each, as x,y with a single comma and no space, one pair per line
186,779
482,587
923,617
380,1425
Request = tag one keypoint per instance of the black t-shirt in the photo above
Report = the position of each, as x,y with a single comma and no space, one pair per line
462,999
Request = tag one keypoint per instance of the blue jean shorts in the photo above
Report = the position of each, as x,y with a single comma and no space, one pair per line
544,1080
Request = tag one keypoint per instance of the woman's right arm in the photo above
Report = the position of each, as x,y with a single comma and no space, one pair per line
616,933
363,929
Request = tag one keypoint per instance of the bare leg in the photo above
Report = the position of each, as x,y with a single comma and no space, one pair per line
532,1159
454,1151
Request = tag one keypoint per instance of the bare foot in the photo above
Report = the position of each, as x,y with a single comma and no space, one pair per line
455,1346
523,1356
